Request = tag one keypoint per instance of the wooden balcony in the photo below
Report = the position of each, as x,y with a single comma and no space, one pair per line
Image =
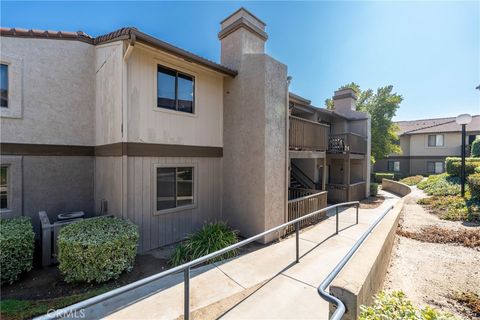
308,135
343,193
305,201
347,142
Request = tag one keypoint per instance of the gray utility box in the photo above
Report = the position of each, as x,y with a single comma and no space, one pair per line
49,235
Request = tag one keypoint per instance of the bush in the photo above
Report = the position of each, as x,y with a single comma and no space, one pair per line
440,185
454,165
17,241
373,189
379,176
474,185
212,237
97,249
395,305
413,180
475,151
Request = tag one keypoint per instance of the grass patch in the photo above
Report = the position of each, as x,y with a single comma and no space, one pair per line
212,237
434,234
411,181
13,309
469,300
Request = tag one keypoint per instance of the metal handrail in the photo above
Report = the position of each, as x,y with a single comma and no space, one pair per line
185,268
322,288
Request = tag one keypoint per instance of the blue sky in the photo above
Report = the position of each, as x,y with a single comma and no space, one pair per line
429,51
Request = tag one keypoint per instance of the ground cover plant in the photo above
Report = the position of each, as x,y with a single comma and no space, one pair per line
16,247
212,237
411,181
395,305
97,249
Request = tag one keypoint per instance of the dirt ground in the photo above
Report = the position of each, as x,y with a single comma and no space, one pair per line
432,273
371,202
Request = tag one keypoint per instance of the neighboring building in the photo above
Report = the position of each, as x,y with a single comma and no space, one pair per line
129,125
426,143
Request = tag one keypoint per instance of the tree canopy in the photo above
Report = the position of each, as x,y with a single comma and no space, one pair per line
382,106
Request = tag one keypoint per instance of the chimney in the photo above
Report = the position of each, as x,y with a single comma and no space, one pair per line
242,33
344,100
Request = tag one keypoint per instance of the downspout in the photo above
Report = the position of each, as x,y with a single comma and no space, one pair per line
124,127
287,155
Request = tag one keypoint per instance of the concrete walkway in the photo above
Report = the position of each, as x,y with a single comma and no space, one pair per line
282,289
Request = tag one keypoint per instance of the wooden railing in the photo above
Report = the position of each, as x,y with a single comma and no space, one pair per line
305,201
308,135
343,193
344,142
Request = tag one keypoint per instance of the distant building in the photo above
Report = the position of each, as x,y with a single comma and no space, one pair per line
426,143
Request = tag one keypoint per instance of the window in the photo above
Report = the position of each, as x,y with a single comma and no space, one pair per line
394,166
435,140
3,85
434,166
175,90
4,203
174,187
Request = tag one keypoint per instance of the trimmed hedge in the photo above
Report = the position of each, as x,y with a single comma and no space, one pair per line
474,185
97,249
475,151
379,176
454,165
373,189
17,241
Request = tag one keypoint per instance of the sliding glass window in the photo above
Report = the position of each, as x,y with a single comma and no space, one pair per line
175,90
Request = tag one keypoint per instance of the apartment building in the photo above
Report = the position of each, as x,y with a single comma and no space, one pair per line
129,125
426,143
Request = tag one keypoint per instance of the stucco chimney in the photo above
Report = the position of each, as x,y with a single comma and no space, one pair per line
242,33
344,100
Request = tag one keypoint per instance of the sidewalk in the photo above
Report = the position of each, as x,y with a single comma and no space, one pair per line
265,284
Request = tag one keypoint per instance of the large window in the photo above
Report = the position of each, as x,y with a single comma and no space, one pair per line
174,187
394,166
435,167
435,140
175,90
3,85
4,186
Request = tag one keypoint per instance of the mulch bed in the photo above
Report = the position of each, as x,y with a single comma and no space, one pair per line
434,234
371,202
469,300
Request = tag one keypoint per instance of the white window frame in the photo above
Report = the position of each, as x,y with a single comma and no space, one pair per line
437,136
154,182
9,189
15,185
15,80
435,167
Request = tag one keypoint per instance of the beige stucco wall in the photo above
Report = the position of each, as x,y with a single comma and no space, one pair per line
150,124
58,91
109,88
419,145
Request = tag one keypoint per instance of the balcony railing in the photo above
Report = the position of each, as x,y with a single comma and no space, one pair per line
308,135
341,192
344,142
304,201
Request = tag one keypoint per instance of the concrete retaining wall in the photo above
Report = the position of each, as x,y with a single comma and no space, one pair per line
364,274
396,187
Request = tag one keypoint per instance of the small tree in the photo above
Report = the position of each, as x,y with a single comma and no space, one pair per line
476,148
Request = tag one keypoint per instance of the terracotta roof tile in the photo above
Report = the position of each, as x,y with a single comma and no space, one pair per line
50,34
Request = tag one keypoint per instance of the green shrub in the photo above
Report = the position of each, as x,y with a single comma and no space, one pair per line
440,185
454,165
474,185
97,249
475,151
395,305
477,170
373,189
379,176
453,208
17,241
411,181
212,237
